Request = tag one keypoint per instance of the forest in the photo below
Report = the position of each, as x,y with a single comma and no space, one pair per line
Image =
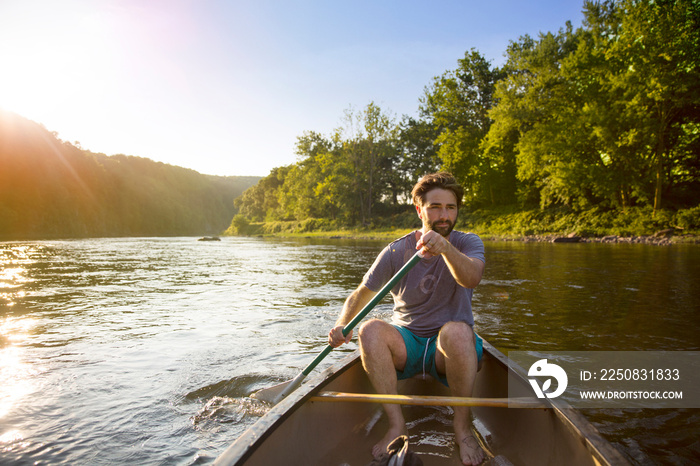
54,189
601,119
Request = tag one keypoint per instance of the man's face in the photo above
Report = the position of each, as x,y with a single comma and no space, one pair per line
439,211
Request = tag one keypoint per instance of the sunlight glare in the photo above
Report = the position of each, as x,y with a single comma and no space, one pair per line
12,440
17,377
12,277
52,63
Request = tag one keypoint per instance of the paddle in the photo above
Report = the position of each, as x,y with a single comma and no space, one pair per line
277,393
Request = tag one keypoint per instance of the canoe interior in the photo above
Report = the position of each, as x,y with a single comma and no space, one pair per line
298,431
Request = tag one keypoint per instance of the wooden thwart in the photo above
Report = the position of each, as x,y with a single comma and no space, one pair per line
418,400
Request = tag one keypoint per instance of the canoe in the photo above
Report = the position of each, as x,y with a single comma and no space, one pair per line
306,429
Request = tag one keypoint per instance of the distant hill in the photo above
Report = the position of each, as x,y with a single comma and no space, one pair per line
52,189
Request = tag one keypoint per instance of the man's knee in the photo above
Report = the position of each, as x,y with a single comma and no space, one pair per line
456,335
372,331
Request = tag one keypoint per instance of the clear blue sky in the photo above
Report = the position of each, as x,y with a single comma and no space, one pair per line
225,87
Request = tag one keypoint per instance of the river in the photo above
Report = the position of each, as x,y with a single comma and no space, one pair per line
144,350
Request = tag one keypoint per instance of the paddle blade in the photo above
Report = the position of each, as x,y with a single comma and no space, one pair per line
277,393
270,394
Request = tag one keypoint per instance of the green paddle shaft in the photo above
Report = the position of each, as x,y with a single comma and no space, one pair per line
368,307
351,325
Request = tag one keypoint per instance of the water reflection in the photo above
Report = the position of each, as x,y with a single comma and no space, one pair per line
589,297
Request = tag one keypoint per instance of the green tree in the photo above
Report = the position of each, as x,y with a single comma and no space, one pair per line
297,196
538,116
656,72
457,104
604,113
369,141
337,175
417,152
260,202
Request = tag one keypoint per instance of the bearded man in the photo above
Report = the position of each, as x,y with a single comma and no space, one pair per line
431,329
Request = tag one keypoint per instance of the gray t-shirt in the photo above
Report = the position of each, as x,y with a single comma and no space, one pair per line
427,296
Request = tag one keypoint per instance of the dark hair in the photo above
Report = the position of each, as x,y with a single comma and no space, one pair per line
442,180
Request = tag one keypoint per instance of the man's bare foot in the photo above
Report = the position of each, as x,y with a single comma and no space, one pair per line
389,437
470,451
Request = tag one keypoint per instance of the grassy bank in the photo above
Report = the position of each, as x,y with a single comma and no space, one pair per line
506,223
593,223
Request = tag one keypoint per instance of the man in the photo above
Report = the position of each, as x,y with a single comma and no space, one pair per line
431,330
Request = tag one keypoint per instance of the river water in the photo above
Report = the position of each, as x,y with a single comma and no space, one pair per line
144,350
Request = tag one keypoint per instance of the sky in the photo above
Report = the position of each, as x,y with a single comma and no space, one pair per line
227,87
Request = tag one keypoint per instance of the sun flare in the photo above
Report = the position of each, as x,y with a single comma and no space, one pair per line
17,376
51,67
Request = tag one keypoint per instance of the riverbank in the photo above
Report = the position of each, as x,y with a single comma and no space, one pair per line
655,239
635,225
660,238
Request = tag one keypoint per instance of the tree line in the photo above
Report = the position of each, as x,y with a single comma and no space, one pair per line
606,115
54,189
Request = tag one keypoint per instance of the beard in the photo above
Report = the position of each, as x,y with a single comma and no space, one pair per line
443,227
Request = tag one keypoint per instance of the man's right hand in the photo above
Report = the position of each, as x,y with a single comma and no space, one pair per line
336,338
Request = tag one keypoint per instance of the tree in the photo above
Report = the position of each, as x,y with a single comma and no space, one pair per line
260,202
336,176
656,71
533,118
457,105
369,141
417,152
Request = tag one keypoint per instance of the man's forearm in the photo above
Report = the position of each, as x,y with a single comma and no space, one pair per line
354,304
349,310
467,271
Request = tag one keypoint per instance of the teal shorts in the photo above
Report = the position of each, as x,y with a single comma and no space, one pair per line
420,355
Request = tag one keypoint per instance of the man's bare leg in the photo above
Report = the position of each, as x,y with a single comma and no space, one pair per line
383,351
456,357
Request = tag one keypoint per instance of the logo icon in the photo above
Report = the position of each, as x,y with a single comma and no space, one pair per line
542,368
